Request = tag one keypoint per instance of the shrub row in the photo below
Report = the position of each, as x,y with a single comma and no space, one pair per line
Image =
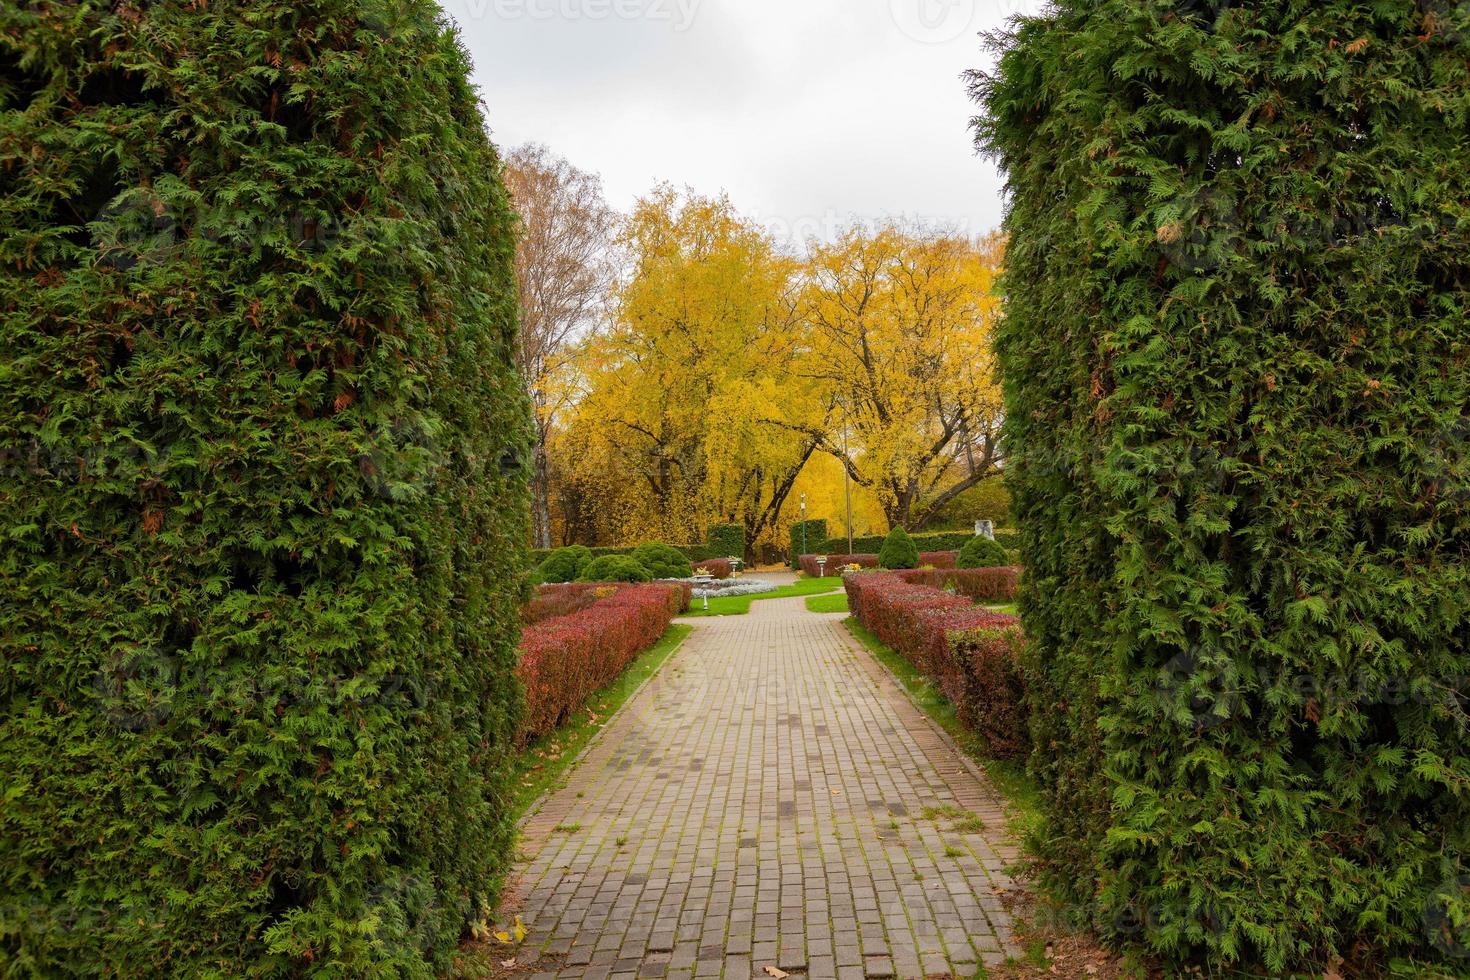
725,541
990,585
566,659
809,535
970,653
835,563
551,601
720,568
647,562
935,541
694,552
939,559
944,560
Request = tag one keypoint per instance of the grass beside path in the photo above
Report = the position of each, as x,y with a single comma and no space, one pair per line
836,603
545,762
1010,778
739,605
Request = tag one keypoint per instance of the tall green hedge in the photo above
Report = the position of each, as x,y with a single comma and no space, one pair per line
870,544
263,490
1235,363
726,541
808,535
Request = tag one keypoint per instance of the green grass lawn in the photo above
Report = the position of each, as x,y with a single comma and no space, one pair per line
835,603
544,763
739,605
1008,610
1009,777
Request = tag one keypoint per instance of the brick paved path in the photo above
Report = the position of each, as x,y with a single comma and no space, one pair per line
762,803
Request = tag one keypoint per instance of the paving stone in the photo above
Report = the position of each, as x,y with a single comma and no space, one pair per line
755,780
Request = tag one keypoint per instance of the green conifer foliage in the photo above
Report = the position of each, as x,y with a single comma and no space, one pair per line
982,552
262,490
898,551
1235,360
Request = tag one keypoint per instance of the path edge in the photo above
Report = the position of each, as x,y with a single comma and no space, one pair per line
536,806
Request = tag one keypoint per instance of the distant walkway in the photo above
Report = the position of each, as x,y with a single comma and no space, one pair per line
763,803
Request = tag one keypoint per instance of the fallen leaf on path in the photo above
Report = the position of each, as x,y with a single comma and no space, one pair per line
777,973
508,963
514,935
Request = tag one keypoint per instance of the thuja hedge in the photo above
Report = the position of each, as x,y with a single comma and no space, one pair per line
726,541
1234,356
805,535
263,490
873,543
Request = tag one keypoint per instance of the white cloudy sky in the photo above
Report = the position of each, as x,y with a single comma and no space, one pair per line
808,112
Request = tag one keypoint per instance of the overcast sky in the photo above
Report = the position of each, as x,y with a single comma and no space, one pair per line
808,112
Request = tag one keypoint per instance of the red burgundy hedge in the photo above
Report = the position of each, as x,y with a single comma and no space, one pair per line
720,568
835,563
991,585
968,651
566,658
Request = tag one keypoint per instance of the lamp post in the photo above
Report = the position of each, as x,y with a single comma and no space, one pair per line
803,528
847,478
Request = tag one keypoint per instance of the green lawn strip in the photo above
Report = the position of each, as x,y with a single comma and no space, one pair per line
739,605
1009,777
1008,610
543,764
836,603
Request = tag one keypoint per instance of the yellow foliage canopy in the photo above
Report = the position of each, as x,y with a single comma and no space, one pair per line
733,378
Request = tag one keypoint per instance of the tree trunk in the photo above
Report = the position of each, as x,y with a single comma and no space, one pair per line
541,492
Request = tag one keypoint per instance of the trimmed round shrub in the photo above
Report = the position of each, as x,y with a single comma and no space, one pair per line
982,552
663,561
616,568
564,564
898,551
1234,355
264,493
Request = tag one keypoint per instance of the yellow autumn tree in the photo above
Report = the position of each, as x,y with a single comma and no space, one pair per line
900,322
686,415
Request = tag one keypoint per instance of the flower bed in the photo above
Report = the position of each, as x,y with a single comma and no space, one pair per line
567,658
987,585
969,652
734,587
836,563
